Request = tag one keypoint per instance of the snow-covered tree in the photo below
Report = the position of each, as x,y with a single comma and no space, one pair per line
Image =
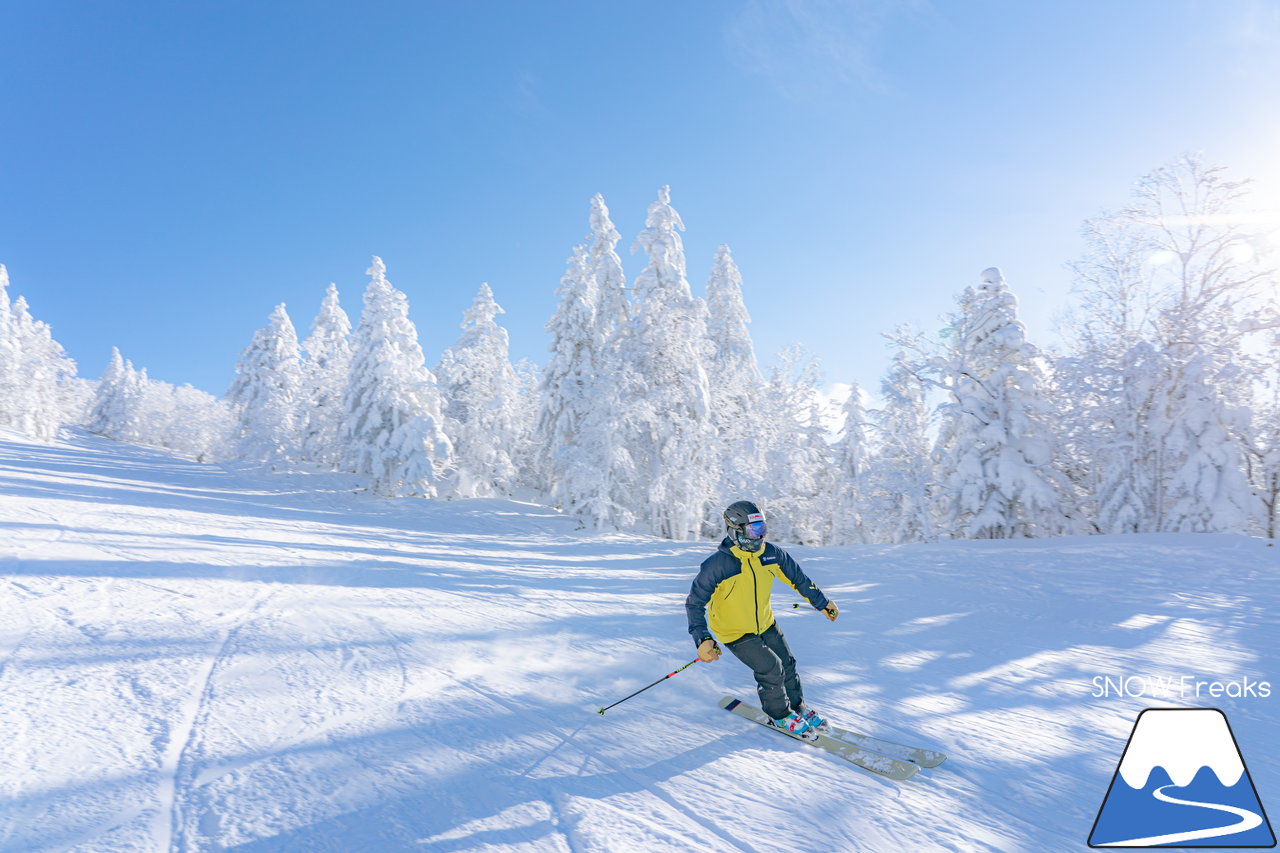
394,426
996,445
189,422
1120,437
33,368
117,405
799,477
1263,456
38,392
901,480
480,391
264,395
665,393
75,399
568,382
1208,492
1160,363
737,390
529,474
44,366
10,358
850,513
129,406
325,367
604,269
581,426
600,470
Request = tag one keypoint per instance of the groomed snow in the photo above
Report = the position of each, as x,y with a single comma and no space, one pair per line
197,658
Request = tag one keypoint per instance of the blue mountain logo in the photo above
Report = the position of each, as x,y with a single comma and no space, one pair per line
1181,782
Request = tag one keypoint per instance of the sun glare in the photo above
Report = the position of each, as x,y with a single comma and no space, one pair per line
1242,252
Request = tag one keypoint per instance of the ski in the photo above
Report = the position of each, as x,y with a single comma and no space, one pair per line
874,762
914,754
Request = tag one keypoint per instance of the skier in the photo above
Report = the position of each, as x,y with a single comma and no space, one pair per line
733,588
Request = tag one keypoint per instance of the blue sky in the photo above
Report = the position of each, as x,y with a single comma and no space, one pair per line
171,171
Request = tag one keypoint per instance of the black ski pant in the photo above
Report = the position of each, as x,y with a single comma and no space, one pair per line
770,659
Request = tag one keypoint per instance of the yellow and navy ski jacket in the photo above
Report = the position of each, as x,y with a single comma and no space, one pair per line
733,588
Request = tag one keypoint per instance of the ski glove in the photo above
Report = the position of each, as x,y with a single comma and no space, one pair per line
831,611
708,650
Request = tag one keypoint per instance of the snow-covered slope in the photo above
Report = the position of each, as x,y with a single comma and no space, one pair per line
193,658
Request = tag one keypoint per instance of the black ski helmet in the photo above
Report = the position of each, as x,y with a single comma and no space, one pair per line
746,525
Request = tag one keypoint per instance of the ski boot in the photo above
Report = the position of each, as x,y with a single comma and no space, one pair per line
794,724
816,721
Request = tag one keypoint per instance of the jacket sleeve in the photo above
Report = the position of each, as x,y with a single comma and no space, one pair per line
795,576
704,585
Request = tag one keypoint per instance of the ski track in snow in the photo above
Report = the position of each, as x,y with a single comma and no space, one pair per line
195,658
175,764
567,740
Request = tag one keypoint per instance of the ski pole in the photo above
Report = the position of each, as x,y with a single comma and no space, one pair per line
824,612
643,689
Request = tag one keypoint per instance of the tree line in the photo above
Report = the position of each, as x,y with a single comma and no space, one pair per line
1160,410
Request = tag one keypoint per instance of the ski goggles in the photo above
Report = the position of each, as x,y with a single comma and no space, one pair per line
754,530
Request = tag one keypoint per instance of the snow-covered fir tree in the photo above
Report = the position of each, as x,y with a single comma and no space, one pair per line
117,405
996,445
189,422
901,481
604,470
394,427
567,389
737,390
665,393
850,515
326,365
33,368
1121,456
799,477
265,393
604,269
43,368
129,406
1208,492
530,475
10,358
480,391
589,469
75,399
